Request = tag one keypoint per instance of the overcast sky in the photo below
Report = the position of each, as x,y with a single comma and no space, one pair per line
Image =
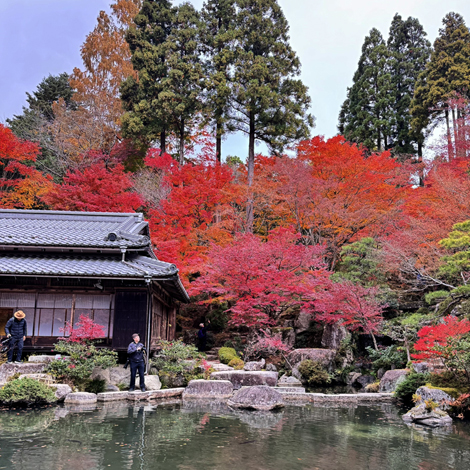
42,37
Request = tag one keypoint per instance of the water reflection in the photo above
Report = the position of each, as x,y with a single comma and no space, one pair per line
196,436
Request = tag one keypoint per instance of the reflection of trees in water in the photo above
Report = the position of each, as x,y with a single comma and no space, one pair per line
207,436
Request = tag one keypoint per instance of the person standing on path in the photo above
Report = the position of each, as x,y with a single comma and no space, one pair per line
136,351
202,336
16,329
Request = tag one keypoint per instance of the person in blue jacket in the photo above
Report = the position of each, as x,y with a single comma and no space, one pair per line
16,329
135,352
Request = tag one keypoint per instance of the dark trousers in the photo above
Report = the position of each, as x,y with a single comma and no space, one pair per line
202,344
18,342
138,366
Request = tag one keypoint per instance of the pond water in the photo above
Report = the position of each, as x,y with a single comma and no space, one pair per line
198,437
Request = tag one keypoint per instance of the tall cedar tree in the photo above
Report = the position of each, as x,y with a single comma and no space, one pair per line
446,74
165,53
183,86
143,98
409,53
32,124
219,34
365,116
270,103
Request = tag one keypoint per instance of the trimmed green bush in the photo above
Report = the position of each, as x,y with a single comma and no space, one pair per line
314,373
27,392
96,386
227,354
406,389
236,363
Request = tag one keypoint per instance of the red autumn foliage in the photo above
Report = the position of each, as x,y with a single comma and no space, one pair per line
433,338
84,331
263,279
196,212
95,189
351,305
21,184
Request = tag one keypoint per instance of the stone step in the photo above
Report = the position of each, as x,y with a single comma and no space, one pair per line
286,390
212,357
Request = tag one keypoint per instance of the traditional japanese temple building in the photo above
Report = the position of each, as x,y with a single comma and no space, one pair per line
56,266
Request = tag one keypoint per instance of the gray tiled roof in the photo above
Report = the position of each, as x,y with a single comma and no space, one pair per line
73,229
94,266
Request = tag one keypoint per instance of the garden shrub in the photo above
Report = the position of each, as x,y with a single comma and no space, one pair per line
227,354
26,392
77,368
387,358
406,389
314,373
373,388
96,386
236,363
173,356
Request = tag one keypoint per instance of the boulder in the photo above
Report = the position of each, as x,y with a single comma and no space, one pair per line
271,368
420,415
213,389
172,379
43,359
302,323
244,378
61,391
112,388
255,365
44,378
101,374
380,373
332,336
435,394
422,367
80,398
365,380
324,356
7,370
391,379
286,381
119,375
220,367
260,398
296,373
152,382
352,377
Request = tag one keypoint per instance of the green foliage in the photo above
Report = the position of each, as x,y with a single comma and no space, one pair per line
314,373
15,376
435,297
446,73
406,389
96,386
236,363
81,359
430,405
26,391
391,356
227,354
448,379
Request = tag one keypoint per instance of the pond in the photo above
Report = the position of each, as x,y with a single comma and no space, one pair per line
199,437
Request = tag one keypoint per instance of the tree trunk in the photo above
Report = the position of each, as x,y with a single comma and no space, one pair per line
251,173
163,141
450,149
374,340
218,142
456,134
181,149
407,347
420,162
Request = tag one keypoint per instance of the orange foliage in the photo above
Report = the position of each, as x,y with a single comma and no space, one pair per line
21,185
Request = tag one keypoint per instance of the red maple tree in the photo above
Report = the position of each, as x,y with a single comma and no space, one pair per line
95,189
84,332
21,184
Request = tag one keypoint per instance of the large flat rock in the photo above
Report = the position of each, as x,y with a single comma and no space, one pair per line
260,398
208,389
112,396
7,370
243,378
80,398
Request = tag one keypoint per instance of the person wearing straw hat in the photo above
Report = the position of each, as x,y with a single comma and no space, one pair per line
16,329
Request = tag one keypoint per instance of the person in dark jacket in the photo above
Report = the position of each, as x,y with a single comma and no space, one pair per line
135,352
16,329
202,337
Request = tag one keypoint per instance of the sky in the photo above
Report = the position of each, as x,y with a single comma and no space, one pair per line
42,37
